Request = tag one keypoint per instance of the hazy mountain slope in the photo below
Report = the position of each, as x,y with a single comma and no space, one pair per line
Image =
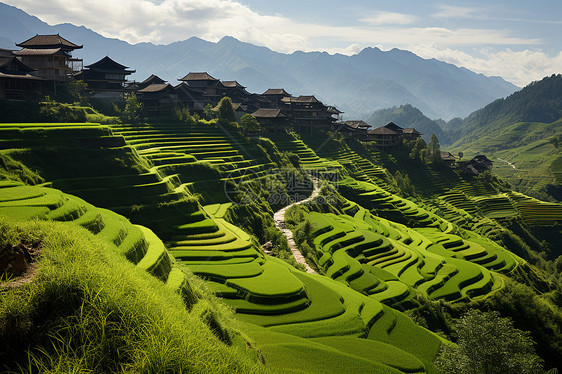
408,116
516,133
538,102
358,84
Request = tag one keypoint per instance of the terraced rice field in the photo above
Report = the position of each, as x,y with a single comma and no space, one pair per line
387,261
137,243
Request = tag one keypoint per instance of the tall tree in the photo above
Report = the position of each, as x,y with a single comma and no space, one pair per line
489,344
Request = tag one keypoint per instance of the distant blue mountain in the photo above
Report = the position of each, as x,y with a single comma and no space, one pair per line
358,84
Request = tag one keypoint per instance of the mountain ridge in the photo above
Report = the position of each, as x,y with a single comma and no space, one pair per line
357,84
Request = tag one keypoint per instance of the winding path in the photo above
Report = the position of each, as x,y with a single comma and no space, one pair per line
507,162
279,218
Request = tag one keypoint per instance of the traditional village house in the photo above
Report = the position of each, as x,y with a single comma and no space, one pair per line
356,129
212,88
152,79
477,165
195,100
50,56
105,78
411,134
158,99
17,80
308,114
272,120
448,158
384,137
276,96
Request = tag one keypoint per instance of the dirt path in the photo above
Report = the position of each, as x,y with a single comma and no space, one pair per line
507,162
279,218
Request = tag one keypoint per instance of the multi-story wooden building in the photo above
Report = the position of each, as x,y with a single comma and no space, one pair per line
50,56
308,114
105,78
212,88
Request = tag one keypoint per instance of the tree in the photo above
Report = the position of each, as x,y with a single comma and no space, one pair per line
133,112
434,149
489,344
249,123
226,111
460,154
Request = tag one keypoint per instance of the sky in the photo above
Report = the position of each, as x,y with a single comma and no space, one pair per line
517,40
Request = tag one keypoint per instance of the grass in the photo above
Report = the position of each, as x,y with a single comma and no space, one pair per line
89,309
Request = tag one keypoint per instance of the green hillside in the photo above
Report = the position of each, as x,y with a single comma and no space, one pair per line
157,231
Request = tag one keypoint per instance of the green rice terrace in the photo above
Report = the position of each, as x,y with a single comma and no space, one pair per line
152,248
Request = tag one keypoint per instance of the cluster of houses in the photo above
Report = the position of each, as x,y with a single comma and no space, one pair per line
45,60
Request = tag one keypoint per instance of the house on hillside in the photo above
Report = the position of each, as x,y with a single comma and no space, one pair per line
384,137
211,87
152,79
308,114
477,165
17,80
106,78
276,96
411,134
50,56
355,129
448,158
158,99
272,120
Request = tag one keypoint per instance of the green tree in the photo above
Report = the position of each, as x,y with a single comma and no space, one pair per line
434,149
489,344
208,112
249,123
133,112
226,113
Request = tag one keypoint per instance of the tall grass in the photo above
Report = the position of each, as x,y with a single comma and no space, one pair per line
89,310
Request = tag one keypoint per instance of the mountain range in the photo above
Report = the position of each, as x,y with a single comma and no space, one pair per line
358,84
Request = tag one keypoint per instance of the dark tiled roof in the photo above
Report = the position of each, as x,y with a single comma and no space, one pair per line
11,62
153,79
40,52
155,88
382,131
109,65
394,127
276,91
20,76
447,156
232,84
6,52
411,130
48,41
357,124
333,110
198,77
268,113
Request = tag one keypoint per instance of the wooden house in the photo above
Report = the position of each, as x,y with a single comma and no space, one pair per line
158,99
276,96
355,129
448,158
50,56
17,80
272,120
411,134
105,78
384,137
211,87
308,114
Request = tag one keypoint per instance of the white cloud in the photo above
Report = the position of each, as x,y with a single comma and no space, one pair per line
451,11
172,20
518,67
388,18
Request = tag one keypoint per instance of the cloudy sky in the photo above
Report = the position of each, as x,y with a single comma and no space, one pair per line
515,39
